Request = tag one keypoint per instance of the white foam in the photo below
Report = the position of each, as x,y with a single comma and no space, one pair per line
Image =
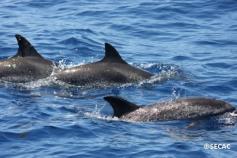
101,117
234,113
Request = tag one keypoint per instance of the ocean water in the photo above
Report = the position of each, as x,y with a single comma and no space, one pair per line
190,45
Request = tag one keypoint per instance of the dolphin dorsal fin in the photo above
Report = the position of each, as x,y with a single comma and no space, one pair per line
25,48
112,55
120,105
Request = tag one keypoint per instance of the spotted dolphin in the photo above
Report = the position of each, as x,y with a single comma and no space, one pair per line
111,69
27,65
181,109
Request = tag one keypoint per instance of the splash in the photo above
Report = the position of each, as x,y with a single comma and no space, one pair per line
234,113
97,115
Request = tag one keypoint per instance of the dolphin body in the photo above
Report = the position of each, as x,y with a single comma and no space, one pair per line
181,109
27,65
111,69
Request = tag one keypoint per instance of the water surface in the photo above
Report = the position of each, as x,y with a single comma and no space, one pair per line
192,45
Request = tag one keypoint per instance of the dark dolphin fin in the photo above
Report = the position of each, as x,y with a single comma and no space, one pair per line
120,105
112,55
25,48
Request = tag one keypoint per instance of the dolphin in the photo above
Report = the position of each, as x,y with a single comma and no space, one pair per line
27,65
180,109
111,69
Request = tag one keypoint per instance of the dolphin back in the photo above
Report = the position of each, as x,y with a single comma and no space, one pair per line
112,69
27,65
181,109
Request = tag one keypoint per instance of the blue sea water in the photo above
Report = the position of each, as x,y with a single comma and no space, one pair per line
190,45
